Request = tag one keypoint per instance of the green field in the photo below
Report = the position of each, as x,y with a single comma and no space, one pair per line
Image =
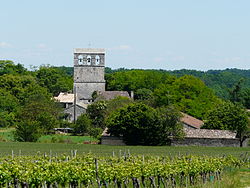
7,135
64,144
6,148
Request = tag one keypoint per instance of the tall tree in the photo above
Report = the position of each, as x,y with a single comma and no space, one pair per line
54,79
236,92
229,116
39,115
140,124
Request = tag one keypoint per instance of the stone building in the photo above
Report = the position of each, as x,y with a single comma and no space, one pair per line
89,67
194,135
89,70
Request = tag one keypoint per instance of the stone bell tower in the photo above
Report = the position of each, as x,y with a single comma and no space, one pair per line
89,65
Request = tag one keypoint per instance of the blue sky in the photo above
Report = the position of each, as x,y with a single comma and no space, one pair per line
147,34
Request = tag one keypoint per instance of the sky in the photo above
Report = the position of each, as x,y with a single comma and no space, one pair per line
144,34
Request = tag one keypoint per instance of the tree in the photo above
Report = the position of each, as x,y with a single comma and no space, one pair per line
116,103
54,79
245,97
229,116
27,131
8,108
236,91
188,93
83,124
38,116
140,124
143,94
8,67
96,113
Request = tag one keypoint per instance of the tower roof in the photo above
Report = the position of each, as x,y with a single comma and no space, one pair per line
89,50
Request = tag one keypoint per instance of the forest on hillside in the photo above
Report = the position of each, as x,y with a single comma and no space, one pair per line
222,82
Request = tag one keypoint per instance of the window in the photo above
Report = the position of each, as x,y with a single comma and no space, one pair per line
97,60
80,60
88,60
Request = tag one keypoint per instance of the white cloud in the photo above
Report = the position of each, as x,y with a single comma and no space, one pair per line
4,45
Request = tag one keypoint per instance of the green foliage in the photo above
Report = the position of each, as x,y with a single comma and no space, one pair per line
95,132
67,139
82,125
8,108
127,171
140,124
229,116
96,113
220,81
39,115
115,104
27,131
99,111
189,94
235,92
158,88
7,119
8,67
143,94
54,79
245,97
136,79
21,86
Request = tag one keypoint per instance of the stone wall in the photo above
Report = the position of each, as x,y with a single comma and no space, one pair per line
112,140
70,112
216,142
92,74
84,91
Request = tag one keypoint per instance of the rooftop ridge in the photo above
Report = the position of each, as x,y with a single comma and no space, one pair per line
89,50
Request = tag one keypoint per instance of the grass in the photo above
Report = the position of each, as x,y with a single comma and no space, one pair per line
66,139
103,150
55,144
236,178
6,134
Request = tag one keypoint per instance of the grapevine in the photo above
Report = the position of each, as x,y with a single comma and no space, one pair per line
131,171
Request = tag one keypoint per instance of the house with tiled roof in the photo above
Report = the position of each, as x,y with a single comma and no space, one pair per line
194,135
191,122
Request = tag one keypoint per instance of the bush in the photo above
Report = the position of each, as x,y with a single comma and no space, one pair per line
95,132
27,131
82,125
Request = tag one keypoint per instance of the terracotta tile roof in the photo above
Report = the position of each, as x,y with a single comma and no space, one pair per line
191,121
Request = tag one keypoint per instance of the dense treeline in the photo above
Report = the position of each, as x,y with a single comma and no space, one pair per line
26,99
188,93
222,82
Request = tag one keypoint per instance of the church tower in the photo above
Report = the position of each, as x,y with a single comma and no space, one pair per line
89,66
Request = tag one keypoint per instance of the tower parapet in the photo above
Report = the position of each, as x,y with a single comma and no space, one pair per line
89,67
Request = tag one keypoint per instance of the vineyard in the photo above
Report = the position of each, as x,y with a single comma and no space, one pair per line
87,170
